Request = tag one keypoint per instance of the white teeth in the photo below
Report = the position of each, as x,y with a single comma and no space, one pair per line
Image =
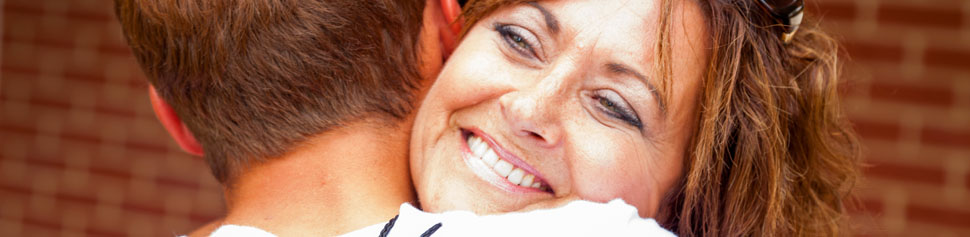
481,149
516,176
490,158
527,180
474,141
503,168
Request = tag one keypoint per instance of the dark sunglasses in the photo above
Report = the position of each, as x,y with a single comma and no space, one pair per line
786,12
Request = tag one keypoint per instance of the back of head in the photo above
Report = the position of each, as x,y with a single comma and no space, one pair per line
253,78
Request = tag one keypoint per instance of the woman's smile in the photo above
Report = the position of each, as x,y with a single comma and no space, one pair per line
491,162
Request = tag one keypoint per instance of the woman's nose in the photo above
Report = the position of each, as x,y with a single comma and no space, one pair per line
533,115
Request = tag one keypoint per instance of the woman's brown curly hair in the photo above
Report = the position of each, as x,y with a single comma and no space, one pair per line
773,154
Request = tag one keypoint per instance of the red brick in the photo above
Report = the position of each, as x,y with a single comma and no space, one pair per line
117,50
158,211
87,138
869,206
7,128
110,172
947,58
914,93
96,232
921,17
147,147
65,38
136,82
7,68
105,16
16,22
75,15
56,226
89,201
882,52
943,216
828,10
911,93
81,76
19,55
905,173
123,113
34,230
947,137
23,57
877,130
41,42
14,6
169,182
43,224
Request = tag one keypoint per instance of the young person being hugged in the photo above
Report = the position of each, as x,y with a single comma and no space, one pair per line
302,109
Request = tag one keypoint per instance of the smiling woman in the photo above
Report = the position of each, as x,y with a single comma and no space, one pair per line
538,106
695,112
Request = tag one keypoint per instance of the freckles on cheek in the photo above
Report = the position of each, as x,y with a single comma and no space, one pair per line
464,81
612,173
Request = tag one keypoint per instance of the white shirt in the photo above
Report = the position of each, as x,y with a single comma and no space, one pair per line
577,218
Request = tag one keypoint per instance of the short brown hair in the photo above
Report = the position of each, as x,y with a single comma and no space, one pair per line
252,78
773,153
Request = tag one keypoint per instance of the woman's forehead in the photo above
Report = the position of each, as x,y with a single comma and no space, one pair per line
629,32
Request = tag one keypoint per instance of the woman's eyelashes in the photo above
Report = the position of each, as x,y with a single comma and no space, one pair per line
519,40
614,106
526,44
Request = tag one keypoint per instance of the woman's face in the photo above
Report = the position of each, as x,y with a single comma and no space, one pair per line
549,102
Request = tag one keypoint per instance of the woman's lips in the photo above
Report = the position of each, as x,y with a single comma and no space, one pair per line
516,174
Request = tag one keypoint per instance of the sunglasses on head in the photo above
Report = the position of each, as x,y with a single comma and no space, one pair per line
786,12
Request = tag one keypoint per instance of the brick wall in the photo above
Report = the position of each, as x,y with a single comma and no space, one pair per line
82,154
909,97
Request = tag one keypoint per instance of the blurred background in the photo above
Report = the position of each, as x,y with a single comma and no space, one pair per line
83,155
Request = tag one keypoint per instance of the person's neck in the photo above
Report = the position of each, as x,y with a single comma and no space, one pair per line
345,179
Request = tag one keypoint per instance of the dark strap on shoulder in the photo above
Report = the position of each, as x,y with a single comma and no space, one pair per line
431,230
388,226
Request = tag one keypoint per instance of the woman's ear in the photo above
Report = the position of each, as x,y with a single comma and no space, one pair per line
173,124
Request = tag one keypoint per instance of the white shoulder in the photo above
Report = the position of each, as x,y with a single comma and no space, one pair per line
577,218
239,230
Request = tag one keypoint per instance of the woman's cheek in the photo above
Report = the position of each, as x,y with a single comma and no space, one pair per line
597,171
616,171
469,81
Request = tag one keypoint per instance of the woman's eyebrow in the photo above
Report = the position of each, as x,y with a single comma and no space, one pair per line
551,22
623,69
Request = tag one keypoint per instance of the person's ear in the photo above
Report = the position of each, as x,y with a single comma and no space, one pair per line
173,124
451,28
452,12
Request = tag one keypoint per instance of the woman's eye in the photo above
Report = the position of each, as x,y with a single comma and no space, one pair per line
609,105
614,106
519,39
